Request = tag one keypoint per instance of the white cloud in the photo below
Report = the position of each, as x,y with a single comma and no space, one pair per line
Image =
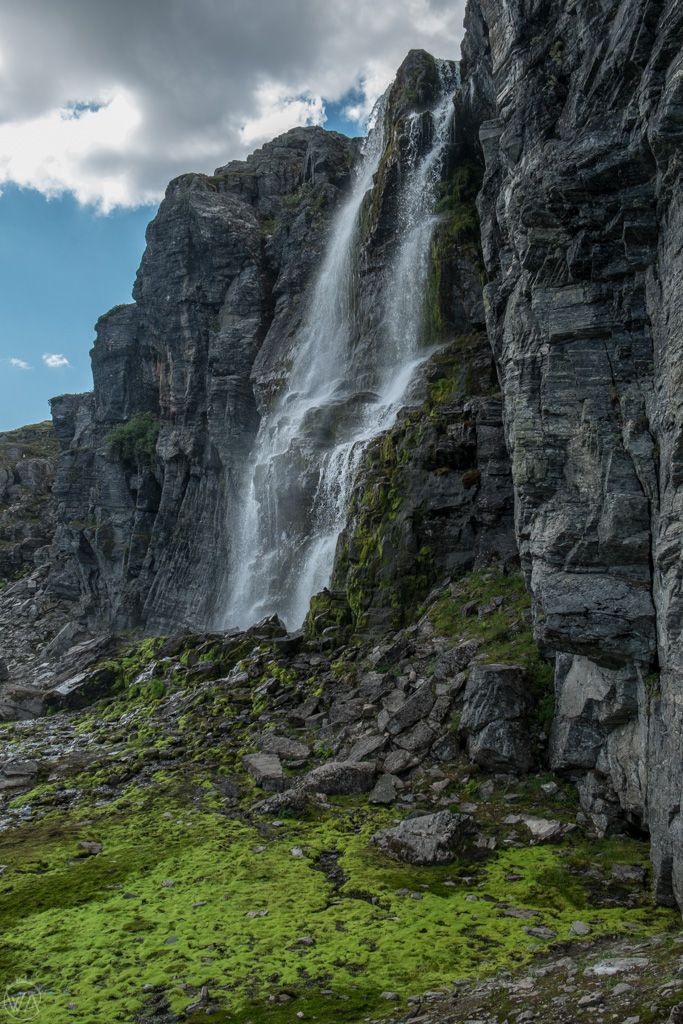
110,115
55,360
19,364
278,111
371,86
51,152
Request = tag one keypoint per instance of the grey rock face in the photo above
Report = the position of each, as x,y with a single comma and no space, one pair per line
581,126
385,790
287,749
429,839
340,778
27,514
412,710
221,282
495,718
600,726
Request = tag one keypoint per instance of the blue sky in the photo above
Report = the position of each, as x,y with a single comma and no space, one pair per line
92,130
61,266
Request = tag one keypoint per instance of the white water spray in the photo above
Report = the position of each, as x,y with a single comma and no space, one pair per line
309,446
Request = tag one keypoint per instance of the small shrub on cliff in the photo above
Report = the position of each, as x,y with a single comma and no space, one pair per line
134,443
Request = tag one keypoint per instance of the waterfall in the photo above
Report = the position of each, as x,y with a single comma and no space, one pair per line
340,393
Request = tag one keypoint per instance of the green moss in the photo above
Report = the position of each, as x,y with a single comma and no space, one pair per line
267,226
35,441
456,235
89,932
505,631
441,390
134,442
327,611
653,684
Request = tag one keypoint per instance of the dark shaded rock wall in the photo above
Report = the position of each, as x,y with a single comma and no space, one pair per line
27,519
582,223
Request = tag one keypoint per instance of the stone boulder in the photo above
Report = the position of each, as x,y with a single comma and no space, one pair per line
266,771
427,839
495,718
340,778
285,748
414,709
336,778
20,703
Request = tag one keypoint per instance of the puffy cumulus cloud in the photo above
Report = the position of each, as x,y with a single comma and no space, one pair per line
278,111
126,95
55,360
52,152
19,364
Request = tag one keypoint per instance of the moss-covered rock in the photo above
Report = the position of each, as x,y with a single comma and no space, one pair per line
419,511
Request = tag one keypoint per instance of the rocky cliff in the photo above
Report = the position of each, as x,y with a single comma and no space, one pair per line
143,513
459,764
27,515
544,425
581,111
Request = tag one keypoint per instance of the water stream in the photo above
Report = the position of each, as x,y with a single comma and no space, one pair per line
340,393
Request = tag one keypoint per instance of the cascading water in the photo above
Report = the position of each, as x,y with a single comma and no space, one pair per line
309,446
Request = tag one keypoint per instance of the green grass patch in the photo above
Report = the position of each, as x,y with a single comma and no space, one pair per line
35,441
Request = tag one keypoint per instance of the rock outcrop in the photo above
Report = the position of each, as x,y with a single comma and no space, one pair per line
426,839
496,717
27,514
580,108
152,466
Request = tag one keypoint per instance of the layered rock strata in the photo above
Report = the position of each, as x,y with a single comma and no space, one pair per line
580,108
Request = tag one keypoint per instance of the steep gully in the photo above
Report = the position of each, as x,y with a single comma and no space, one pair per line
579,117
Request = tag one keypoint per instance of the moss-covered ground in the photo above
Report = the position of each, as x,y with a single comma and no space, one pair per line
183,896
494,608
36,441
185,893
